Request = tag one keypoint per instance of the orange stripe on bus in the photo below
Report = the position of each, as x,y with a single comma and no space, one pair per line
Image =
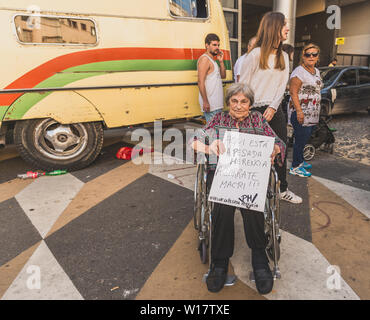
48,69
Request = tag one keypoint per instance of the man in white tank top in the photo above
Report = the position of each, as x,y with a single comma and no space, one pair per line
210,75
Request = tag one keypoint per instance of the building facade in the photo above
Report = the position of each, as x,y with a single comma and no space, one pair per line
343,33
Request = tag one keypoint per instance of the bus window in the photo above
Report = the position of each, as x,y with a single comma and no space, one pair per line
189,8
56,30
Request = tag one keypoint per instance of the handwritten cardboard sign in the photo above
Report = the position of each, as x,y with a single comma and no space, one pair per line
242,172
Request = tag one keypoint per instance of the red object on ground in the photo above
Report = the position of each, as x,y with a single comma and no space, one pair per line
127,153
31,175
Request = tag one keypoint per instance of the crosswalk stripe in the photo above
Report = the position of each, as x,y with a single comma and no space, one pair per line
10,270
95,191
46,199
42,278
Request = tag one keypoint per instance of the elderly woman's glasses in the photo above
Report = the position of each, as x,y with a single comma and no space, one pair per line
307,55
243,103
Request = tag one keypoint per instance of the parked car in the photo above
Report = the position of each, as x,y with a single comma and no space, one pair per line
346,89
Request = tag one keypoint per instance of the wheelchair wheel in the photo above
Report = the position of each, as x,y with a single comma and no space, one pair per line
272,248
272,217
203,251
198,196
202,211
205,224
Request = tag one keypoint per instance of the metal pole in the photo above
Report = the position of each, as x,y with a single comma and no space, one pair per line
288,8
240,17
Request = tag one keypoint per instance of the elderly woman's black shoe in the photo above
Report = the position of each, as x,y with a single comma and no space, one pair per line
264,280
216,279
217,275
262,272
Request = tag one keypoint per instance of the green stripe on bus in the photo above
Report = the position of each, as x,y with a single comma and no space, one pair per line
3,111
68,76
136,65
28,100
139,65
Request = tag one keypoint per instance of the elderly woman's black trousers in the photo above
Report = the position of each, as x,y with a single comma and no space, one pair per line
223,229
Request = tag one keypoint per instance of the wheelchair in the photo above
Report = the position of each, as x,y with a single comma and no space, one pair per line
203,220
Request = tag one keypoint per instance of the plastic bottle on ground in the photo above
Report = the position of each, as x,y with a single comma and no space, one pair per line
56,173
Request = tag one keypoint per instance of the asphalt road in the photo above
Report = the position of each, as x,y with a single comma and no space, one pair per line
116,230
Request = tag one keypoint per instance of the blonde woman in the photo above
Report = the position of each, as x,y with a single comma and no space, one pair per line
305,93
266,71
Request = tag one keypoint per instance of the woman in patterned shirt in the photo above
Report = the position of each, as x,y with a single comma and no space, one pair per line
304,111
239,98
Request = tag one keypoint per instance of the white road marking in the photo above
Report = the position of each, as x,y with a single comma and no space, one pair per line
358,198
45,199
303,269
42,278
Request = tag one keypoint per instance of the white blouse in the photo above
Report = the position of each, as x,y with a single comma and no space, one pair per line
268,85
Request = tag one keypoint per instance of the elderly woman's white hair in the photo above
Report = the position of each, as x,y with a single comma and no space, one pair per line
239,87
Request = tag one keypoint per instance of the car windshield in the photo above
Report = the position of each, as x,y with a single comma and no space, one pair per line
328,75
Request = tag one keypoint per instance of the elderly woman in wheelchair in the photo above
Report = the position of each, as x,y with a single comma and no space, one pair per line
239,99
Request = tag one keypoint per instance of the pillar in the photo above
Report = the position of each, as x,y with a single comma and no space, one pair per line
288,8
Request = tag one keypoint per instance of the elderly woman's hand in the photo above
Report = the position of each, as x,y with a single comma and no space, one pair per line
217,147
275,152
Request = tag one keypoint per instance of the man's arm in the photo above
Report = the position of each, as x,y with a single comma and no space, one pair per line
220,58
203,68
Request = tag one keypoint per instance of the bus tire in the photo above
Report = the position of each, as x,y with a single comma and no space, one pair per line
49,145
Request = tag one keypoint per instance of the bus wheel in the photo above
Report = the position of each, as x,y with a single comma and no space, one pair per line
50,145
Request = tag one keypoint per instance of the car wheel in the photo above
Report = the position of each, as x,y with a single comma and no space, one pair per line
50,145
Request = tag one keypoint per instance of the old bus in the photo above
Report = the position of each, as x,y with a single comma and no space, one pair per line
70,69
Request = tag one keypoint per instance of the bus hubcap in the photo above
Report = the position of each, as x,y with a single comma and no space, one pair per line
60,141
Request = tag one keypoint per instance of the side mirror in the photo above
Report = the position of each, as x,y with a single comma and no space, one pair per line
341,84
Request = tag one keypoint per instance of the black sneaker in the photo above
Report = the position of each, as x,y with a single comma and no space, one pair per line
216,279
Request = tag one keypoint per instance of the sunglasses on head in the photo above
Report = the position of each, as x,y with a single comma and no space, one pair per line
307,55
